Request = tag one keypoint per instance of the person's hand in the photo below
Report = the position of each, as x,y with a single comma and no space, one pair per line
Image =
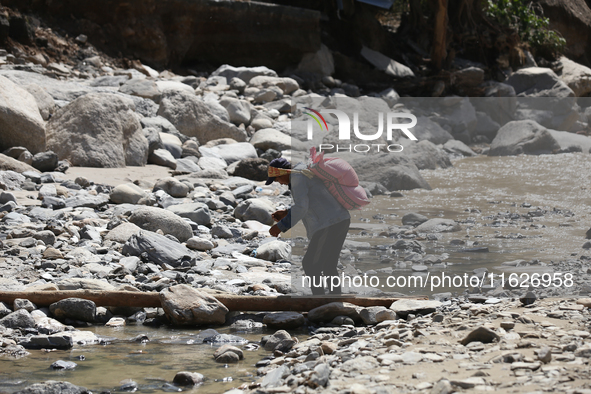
274,231
278,215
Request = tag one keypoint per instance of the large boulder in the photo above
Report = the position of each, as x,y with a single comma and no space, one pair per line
253,169
522,136
98,130
431,131
20,120
126,193
539,82
185,305
571,141
44,101
74,308
7,163
193,118
159,249
235,152
426,155
393,170
576,76
153,219
238,110
287,85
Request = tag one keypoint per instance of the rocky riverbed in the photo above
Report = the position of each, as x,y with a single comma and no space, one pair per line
189,218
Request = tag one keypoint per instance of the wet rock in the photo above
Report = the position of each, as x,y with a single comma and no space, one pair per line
184,305
221,338
65,365
158,248
522,136
53,387
438,226
255,209
106,131
413,219
284,320
186,378
18,319
74,308
126,193
274,251
153,219
404,307
326,313
196,212
228,354
481,334
193,118
54,341
21,122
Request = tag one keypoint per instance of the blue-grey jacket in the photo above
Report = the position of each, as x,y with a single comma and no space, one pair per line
312,204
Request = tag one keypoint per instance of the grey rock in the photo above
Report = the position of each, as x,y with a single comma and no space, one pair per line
185,305
18,319
7,197
327,312
172,186
235,152
160,249
186,166
568,141
458,148
481,334
522,136
376,314
265,139
431,131
87,201
45,161
221,231
54,341
274,251
243,73
4,310
255,209
122,232
163,125
74,308
238,110
405,307
44,101
20,303
538,81
217,109
153,219
284,320
21,122
186,378
142,88
193,118
126,193
442,387
544,355
162,157
196,212
53,387
199,244
253,169
98,130
528,298
61,364
425,155
438,226
320,376
413,219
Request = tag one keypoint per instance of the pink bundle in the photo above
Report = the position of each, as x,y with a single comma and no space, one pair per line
340,179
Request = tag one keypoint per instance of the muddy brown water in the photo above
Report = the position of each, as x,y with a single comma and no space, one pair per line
475,191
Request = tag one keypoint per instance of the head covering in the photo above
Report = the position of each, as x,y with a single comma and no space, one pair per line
277,167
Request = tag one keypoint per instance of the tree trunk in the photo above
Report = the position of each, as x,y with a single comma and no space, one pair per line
439,46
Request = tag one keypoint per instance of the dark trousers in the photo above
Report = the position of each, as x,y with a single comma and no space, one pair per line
322,256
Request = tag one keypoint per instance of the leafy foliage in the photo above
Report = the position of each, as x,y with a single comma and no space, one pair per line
531,27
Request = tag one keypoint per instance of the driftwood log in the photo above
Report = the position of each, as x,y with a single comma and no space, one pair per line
232,302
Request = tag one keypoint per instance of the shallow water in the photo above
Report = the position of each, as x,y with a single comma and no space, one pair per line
151,365
482,193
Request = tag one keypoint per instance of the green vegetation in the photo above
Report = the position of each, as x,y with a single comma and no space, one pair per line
532,28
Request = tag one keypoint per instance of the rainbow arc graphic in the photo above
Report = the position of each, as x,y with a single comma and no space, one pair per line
315,118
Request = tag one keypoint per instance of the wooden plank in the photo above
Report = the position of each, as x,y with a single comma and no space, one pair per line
232,302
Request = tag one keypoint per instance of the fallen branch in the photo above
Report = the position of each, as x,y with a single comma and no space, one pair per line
232,302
